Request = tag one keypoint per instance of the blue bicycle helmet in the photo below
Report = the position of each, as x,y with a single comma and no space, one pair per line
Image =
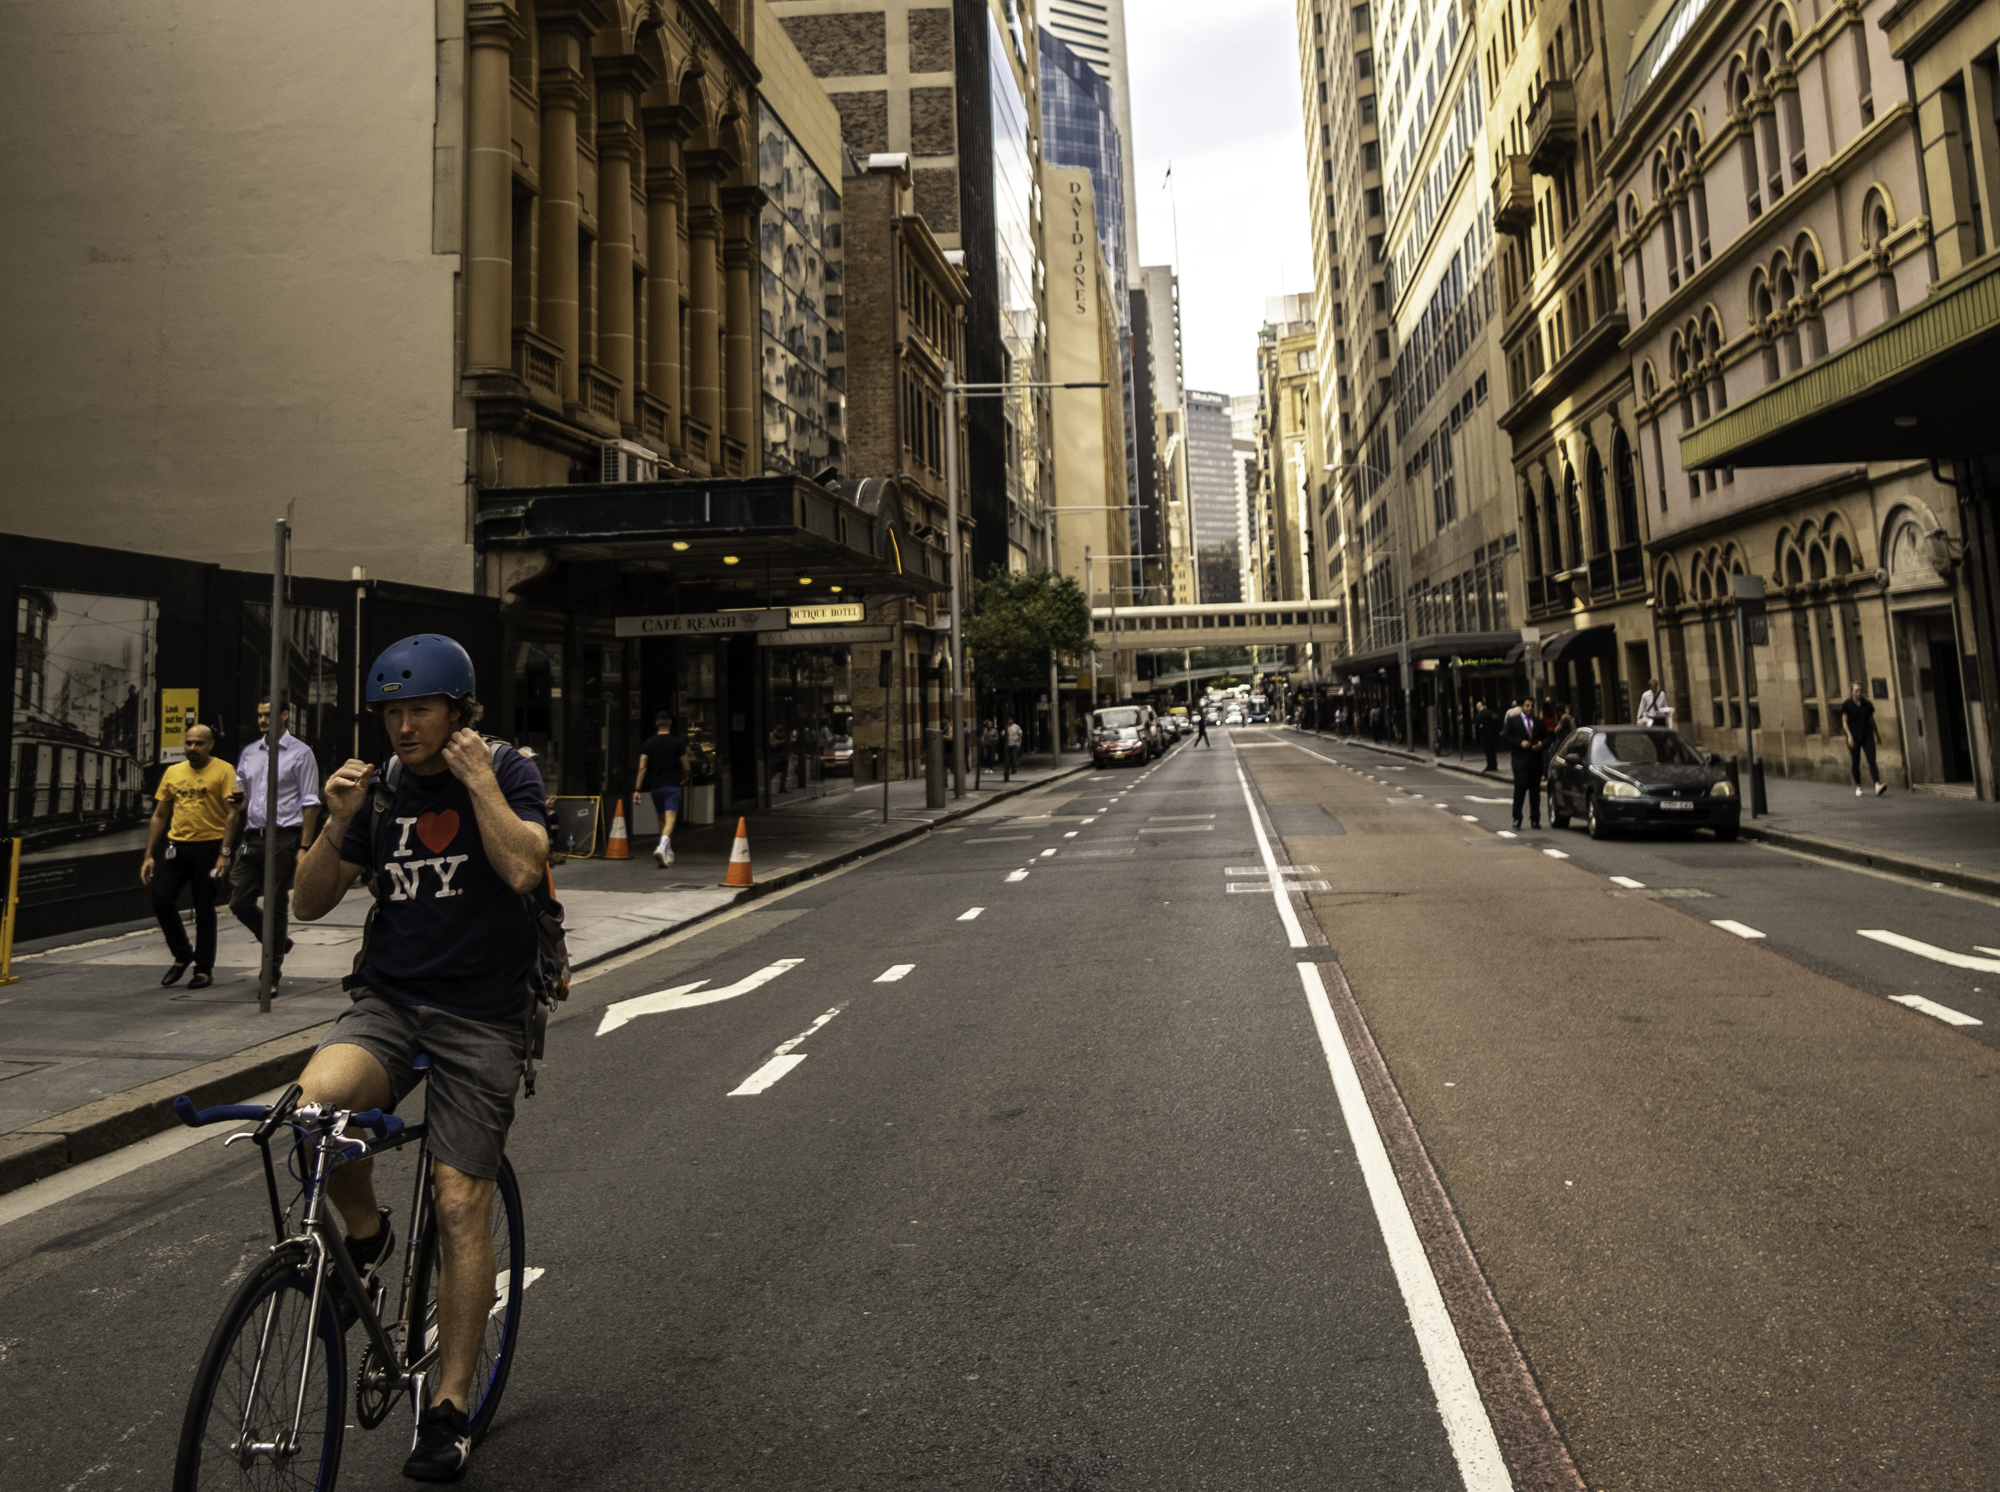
424,664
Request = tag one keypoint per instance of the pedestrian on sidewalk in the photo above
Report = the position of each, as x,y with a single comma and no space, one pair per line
298,814
1652,703
1375,722
191,811
1527,744
1201,730
989,743
663,760
1013,746
1486,730
1857,723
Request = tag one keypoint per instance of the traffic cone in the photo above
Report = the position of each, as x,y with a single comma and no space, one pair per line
618,848
739,857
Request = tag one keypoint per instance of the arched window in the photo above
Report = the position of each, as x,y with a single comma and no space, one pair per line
1760,316
1739,104
1794,573
1625,474
1670,591
1638,250
1663,194
1697,191
1532,527
1682,215
1878,221
1812,331
1843,557
1600,510
1554,519
1816,563
1573,516
1788,102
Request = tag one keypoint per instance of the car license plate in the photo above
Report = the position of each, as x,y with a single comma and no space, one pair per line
1673,807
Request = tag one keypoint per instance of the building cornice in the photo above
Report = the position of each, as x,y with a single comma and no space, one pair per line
1845,480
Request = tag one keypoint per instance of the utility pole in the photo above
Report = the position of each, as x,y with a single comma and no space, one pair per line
267,979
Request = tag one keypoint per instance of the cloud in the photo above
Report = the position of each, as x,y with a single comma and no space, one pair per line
1215,91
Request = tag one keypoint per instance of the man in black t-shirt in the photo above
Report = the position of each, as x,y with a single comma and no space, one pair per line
663,764
1857,723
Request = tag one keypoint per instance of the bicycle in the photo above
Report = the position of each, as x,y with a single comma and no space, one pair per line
269,1402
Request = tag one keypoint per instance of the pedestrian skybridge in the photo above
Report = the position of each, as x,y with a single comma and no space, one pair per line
1245,624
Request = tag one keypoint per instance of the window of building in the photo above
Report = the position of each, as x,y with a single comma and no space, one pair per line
1364,64
1367,106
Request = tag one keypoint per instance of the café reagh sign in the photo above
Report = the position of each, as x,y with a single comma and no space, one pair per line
702,623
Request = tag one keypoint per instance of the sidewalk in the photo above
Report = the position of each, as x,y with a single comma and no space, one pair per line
1951,841
93,1050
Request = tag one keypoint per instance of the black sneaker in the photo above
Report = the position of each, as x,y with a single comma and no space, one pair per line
444,1445
370,1260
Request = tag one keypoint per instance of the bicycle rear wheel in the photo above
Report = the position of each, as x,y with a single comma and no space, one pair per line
238,1432
503,1321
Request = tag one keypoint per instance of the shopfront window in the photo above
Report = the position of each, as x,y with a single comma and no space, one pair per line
538,688
808,718
699,703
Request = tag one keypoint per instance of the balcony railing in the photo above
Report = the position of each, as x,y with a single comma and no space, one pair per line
1514,196
537,362
1552,127
599,391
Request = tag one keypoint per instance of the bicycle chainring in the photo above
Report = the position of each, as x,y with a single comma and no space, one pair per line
375,1391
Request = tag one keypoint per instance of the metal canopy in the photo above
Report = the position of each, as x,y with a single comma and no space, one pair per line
851,535
1581,643
1917,387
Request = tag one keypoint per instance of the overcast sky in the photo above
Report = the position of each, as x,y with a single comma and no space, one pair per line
1215,93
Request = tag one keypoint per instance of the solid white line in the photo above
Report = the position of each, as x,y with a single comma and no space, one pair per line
1628,883
1942,1012
894,972
1927,950
1736,927
971,915
1175,818
1465,1421
78,1179
766,1075
1285,912
1017,875
1556,854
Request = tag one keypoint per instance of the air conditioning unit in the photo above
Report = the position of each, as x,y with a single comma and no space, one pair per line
624,461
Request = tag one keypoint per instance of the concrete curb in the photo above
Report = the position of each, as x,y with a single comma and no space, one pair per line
98,1128
1915,867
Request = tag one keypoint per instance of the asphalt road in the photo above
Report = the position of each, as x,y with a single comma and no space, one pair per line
1060,1196
1059,1193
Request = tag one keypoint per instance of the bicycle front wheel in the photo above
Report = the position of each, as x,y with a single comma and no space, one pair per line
266,1411
503,1320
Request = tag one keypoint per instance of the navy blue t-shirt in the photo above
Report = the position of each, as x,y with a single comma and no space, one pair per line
450,932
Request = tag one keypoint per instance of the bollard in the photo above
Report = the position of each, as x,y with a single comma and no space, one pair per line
934,780
1758,807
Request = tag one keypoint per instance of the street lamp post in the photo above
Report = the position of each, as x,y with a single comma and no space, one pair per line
953,392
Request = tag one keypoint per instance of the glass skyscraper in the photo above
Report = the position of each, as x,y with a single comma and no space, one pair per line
1079,129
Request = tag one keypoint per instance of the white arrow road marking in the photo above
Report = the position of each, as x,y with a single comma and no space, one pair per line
893,973
1628,883
528,1277
783,1060
686,996
1942,1012
1984,949
1927,950
1735,927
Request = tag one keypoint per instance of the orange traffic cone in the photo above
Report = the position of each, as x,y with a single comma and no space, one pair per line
739,857
618,848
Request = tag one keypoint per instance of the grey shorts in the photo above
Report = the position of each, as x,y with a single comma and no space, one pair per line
475,1069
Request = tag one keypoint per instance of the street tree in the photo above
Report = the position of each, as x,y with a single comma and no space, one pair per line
1020,617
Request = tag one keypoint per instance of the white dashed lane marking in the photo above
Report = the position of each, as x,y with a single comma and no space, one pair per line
971,916
1556,854
1017,875
782,1061
1940,1012
1932,951
1628,883
1735,927
893,973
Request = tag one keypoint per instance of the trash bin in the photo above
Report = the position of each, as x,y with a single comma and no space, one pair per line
700,805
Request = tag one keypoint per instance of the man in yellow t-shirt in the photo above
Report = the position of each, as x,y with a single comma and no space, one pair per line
191,812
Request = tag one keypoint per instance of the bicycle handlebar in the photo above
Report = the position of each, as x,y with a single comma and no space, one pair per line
229,1113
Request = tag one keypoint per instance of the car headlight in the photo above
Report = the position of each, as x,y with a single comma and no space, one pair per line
1620,790
1722,790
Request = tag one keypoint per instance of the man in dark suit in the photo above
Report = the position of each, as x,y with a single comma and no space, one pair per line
1486,731
1527,745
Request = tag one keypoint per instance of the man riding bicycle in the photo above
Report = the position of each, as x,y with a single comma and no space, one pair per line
445,969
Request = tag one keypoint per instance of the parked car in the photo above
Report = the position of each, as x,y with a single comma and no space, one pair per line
1634,777
836,757
1118,737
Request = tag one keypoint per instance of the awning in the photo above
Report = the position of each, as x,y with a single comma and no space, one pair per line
1918,386
1581,643
724,531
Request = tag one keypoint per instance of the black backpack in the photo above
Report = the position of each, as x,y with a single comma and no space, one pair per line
548,980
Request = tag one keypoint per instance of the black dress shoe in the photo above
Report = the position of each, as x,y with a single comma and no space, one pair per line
173,975
1517,823
201,981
